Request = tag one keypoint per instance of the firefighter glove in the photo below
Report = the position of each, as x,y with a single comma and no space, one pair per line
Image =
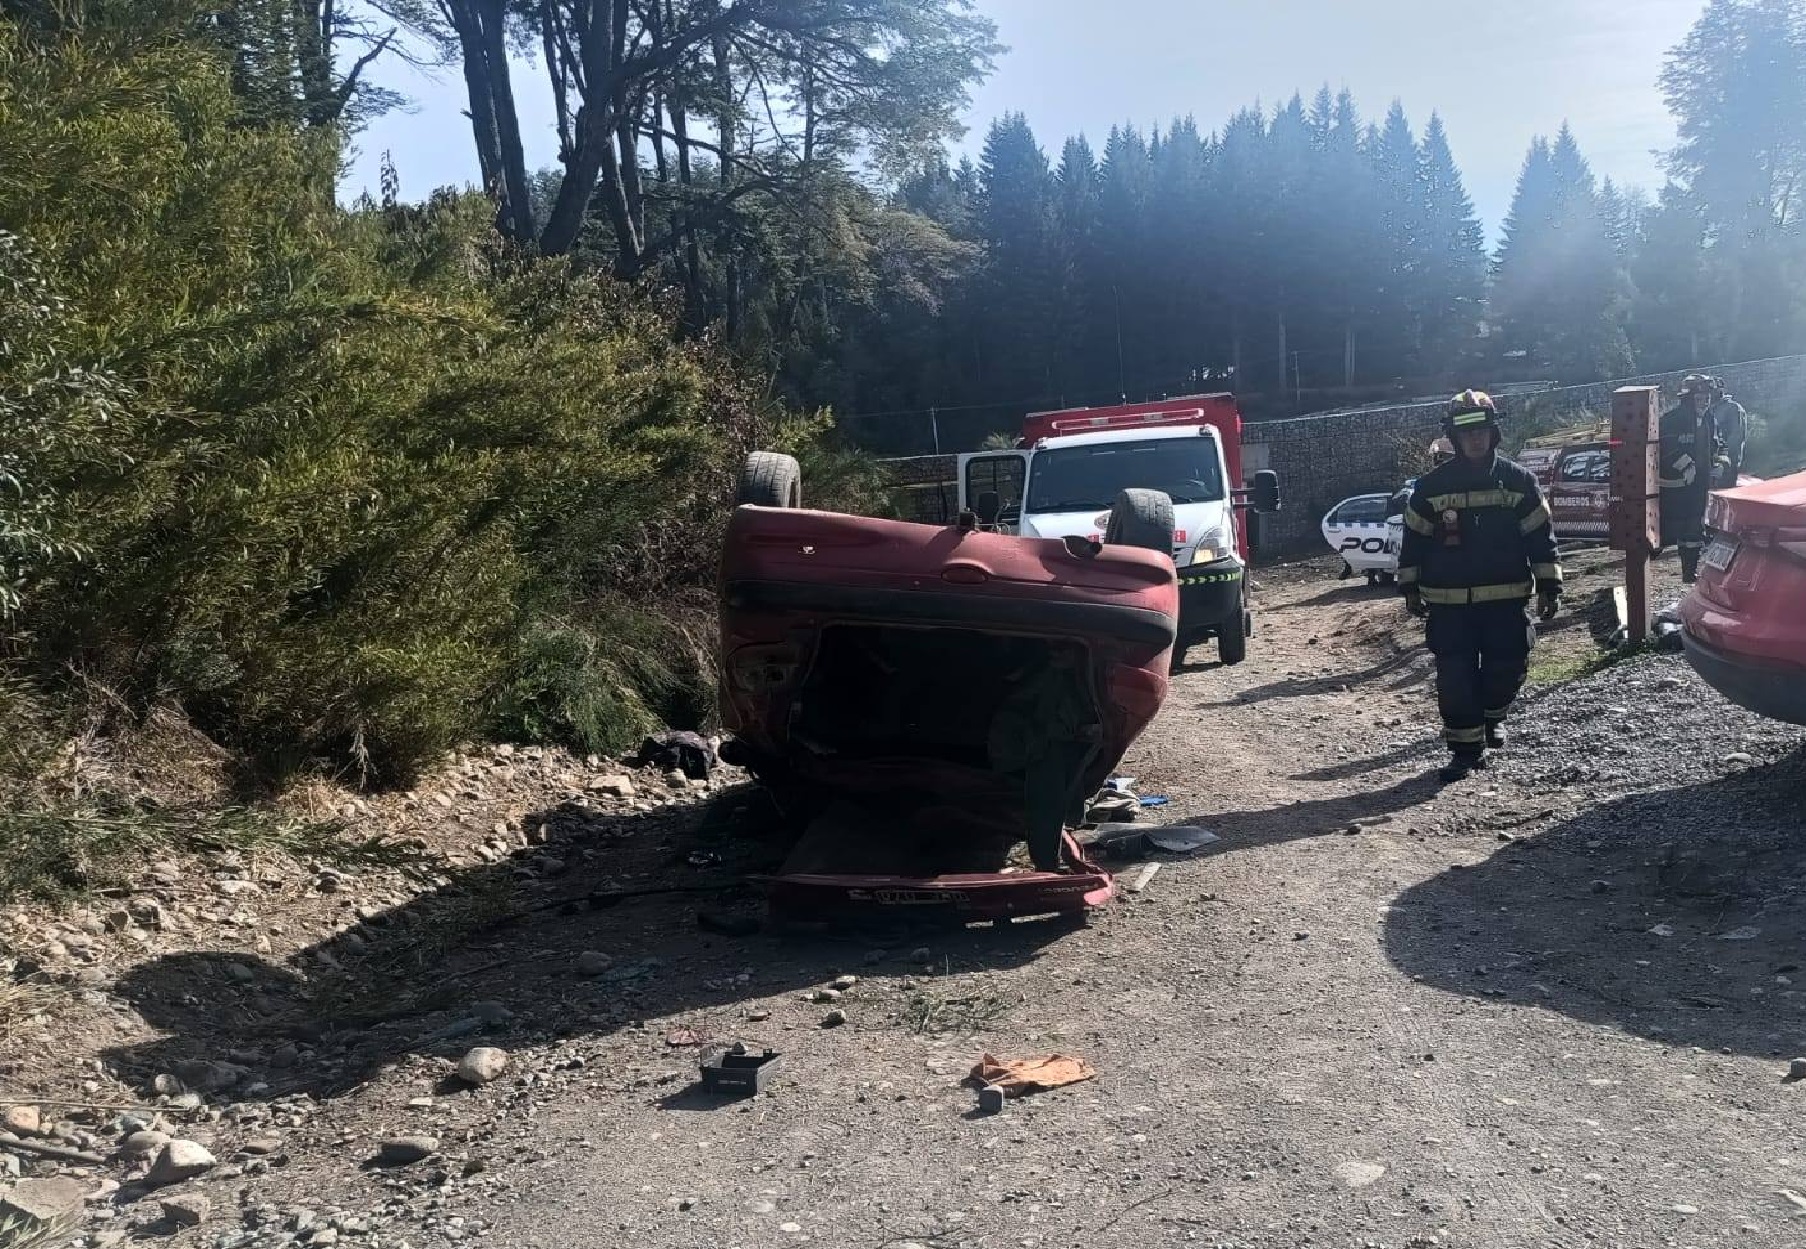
1548,600
1414,601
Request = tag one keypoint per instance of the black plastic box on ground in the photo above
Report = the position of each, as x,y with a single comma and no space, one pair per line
738,1070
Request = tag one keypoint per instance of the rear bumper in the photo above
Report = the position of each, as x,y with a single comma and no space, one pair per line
1135,626
1210,595
1777,691
803,900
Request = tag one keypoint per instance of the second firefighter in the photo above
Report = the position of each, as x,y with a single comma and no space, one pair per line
1478,546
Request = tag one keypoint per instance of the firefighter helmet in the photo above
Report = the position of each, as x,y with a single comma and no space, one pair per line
1471,409
1696,384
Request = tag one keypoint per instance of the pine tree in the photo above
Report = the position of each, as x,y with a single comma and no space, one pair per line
1737,88
1394,332
1560,291
1022,283
1451,252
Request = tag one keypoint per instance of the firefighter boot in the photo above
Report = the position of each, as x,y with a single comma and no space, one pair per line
1689,564
1495,735
1460,767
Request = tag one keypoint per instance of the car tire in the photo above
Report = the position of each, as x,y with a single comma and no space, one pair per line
1232,640
769,479
1142,518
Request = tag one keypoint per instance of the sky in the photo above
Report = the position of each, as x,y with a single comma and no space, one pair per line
1499,73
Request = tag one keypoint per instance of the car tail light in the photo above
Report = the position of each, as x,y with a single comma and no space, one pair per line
758,669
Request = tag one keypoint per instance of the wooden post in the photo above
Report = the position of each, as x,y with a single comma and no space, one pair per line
1635,511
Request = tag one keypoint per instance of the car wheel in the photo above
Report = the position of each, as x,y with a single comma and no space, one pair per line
1142,518
1232,640
771,480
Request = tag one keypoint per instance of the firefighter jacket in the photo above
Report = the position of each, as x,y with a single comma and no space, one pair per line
1731,424
1689,447
1478,534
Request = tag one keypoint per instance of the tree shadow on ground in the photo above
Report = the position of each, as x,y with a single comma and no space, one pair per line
491,956
1675,915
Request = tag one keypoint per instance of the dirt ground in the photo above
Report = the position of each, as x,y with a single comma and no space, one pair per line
1552,1006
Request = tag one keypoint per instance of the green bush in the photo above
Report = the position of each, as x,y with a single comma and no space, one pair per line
347,486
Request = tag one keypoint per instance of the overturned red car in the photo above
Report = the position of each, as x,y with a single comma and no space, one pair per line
1742,625
931,707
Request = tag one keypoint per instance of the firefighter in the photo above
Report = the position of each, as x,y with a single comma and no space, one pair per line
1688,455
1730,424
1478,546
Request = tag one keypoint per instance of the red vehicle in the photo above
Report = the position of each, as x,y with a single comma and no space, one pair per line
1742,624
920,700
1577,483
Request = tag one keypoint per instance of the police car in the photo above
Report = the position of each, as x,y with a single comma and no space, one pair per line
1367,531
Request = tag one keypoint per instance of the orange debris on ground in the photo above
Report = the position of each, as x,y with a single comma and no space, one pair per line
1017,1076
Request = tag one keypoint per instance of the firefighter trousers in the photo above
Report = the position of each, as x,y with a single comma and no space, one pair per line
1482,655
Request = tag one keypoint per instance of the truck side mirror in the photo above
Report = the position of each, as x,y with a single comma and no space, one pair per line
1266,491
989,506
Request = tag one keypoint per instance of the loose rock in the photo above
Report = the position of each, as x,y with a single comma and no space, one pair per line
46,1209
833,1019
181,1160
144,1144
22,1120
1796,1070
843,983
593,963
483,1065
187,1210
404,1150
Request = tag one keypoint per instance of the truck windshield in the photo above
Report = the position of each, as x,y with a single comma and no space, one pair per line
1080,479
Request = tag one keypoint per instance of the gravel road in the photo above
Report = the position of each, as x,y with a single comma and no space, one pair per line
1552,1006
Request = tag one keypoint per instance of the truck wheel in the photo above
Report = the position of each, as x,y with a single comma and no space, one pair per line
1232,638
1142,518
771,480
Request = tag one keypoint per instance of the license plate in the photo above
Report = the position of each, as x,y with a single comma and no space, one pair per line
1720,553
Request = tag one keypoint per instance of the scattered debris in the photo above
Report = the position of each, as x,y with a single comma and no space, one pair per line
991,1099
683,1038
1663,930
1181,838
688,753
833,1019
1137,880
1745,933
1018,1077
737,1069
1796,1071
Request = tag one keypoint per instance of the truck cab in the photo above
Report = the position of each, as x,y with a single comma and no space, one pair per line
1072,465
